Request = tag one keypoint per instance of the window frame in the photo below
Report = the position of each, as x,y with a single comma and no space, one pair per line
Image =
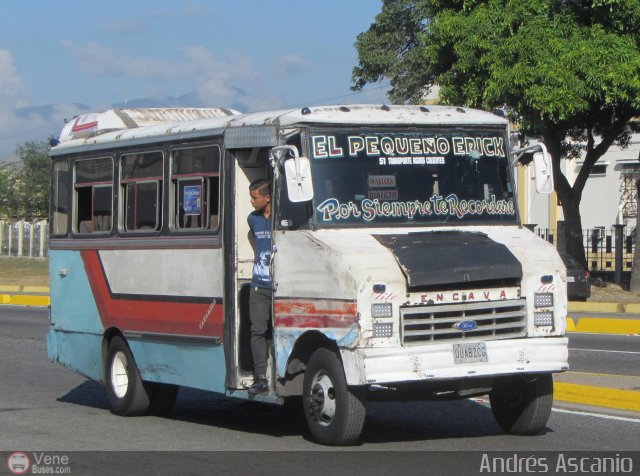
55,195
599,170
125,182
75,224
206,179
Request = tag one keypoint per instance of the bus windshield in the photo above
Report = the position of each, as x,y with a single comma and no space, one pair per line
416,177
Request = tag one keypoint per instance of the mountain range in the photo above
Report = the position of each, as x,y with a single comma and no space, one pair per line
45,121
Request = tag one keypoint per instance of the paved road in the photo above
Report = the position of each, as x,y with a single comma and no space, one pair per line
46,407
605,353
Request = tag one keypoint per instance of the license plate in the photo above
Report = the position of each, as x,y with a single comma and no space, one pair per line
571,279
468,353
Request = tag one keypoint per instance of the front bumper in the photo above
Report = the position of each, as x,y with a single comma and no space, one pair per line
436,362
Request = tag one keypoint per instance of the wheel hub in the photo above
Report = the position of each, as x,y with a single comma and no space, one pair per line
323,400
119,375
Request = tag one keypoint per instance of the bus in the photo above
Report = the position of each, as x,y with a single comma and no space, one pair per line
400,266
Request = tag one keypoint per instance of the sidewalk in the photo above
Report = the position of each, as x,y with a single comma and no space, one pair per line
619,392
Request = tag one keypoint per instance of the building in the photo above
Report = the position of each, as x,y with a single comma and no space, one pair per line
609,196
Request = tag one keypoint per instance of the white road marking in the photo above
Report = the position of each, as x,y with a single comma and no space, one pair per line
597,415
604,350
485,401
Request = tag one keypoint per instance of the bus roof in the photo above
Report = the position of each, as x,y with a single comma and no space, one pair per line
369,114
122,127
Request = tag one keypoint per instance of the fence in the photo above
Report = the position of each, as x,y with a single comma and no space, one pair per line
600,246
22,238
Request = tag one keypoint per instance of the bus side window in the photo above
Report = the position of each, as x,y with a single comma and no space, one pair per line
195,185
141,182
93,198
60,199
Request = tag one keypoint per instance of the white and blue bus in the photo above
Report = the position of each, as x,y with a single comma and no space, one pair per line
401,268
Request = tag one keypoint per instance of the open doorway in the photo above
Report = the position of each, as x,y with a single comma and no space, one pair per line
252,164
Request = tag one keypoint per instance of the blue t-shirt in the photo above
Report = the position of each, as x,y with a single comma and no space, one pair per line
261,229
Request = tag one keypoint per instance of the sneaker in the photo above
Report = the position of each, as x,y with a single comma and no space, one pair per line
260,385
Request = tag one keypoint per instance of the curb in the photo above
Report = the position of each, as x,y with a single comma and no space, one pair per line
627,320
597,396
25,300
603,325
25,295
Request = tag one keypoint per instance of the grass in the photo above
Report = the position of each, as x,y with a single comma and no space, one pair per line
24,271
613,293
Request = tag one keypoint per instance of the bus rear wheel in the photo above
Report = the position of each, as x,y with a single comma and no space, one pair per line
522,405
334,412
127,393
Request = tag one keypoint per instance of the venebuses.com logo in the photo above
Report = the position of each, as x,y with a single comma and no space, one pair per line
18,463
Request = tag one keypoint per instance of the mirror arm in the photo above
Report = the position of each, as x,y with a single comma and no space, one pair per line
279,153
531,148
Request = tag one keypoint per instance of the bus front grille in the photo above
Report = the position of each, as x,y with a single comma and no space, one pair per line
490,320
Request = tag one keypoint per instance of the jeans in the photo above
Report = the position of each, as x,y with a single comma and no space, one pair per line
260,314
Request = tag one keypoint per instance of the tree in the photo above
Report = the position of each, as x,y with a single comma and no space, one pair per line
634,281
568,71
34,177
24,185
8,198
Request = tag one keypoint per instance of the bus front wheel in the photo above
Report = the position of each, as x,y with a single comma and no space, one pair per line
334,412
126,391
522,405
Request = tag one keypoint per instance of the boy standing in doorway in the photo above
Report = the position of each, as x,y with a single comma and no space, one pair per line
261,286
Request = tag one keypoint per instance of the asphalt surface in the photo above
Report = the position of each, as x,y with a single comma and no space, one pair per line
605,354
592,382
48,410
596,329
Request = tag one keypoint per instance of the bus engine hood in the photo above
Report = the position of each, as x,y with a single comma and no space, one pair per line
440,258
339,263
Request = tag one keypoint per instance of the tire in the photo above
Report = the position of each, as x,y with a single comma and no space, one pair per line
127,394
163,398
334,412
522,405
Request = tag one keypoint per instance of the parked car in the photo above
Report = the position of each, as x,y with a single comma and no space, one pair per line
578,279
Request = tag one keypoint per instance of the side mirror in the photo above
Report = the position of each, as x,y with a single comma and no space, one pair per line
542,168
297,171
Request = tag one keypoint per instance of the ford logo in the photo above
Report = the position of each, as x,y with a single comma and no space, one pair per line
464,326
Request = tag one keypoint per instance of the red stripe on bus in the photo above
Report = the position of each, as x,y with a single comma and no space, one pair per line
311,313
83,127
164,317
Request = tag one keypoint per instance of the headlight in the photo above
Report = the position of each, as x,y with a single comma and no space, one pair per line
543,318
382,310
543,300
383,330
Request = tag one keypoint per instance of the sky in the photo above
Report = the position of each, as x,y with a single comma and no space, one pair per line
65,58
